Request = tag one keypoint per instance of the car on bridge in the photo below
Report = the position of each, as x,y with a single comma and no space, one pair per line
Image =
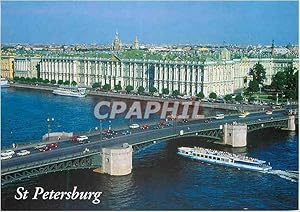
79,138
49,147
6,157
40,146
134,126
23,152
145,126
7,153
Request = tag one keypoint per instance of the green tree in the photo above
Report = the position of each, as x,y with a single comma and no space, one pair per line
251,99
258,72
106,87
46,81
152,90
40,80
60,82
253,86
16,78
73,83
212,95
22,79
33,79
175,93
141,89
53,81
67,82
200,95
118,87
27,79
228,97
239,98
279,81
129,88
96,85
165,91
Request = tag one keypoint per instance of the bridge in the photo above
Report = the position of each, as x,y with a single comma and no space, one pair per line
114,156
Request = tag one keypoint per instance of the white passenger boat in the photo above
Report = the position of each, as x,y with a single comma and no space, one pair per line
224,158
70,91
219,116
4,83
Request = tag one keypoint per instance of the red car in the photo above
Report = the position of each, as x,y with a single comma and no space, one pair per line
145,126
49,147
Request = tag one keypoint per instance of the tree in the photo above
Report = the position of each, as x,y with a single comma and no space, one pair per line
96,85
73,83
40,80
16,78
118,87
34,79
165,91
53,81
152,90
239,98
22,79
67,82
253,86
60,82
129,88
106,87
141,89
228,97
213,95
200,95
175,93
251,99
279,81
258,72
27,79
46,81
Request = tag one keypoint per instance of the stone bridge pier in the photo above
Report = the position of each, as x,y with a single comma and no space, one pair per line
235,135
117,161
291,123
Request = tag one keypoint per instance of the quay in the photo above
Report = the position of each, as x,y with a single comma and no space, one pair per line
224,106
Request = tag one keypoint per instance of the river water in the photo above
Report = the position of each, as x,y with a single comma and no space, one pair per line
160,179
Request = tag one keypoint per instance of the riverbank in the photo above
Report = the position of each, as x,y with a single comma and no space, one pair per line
224,106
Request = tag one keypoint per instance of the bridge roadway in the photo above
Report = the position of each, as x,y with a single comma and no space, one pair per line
69,148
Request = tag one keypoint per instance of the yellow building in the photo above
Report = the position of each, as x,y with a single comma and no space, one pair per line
7,67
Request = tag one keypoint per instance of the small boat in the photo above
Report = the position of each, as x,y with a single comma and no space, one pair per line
269,112
4,83
224,158
219,116
70,91
244,114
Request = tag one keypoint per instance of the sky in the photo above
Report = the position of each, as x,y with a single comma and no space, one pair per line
153,22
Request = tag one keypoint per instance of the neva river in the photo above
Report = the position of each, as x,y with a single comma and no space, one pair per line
160,179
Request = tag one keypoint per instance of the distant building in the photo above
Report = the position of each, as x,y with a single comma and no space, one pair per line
225,54
136,43
116,45
7,67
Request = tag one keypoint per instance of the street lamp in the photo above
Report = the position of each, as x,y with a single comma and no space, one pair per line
100,129
109,126
49,121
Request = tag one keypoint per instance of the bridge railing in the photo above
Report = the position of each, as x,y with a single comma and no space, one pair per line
45,162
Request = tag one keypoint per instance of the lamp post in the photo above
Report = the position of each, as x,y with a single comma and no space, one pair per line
100,130
49,121
109,125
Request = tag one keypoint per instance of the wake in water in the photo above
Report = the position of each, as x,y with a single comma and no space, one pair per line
292,176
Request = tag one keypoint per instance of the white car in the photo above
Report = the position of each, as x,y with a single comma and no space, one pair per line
134,126
23,152
6,157
7,153
82,138
40,146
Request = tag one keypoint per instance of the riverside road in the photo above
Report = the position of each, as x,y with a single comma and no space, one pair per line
69,148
